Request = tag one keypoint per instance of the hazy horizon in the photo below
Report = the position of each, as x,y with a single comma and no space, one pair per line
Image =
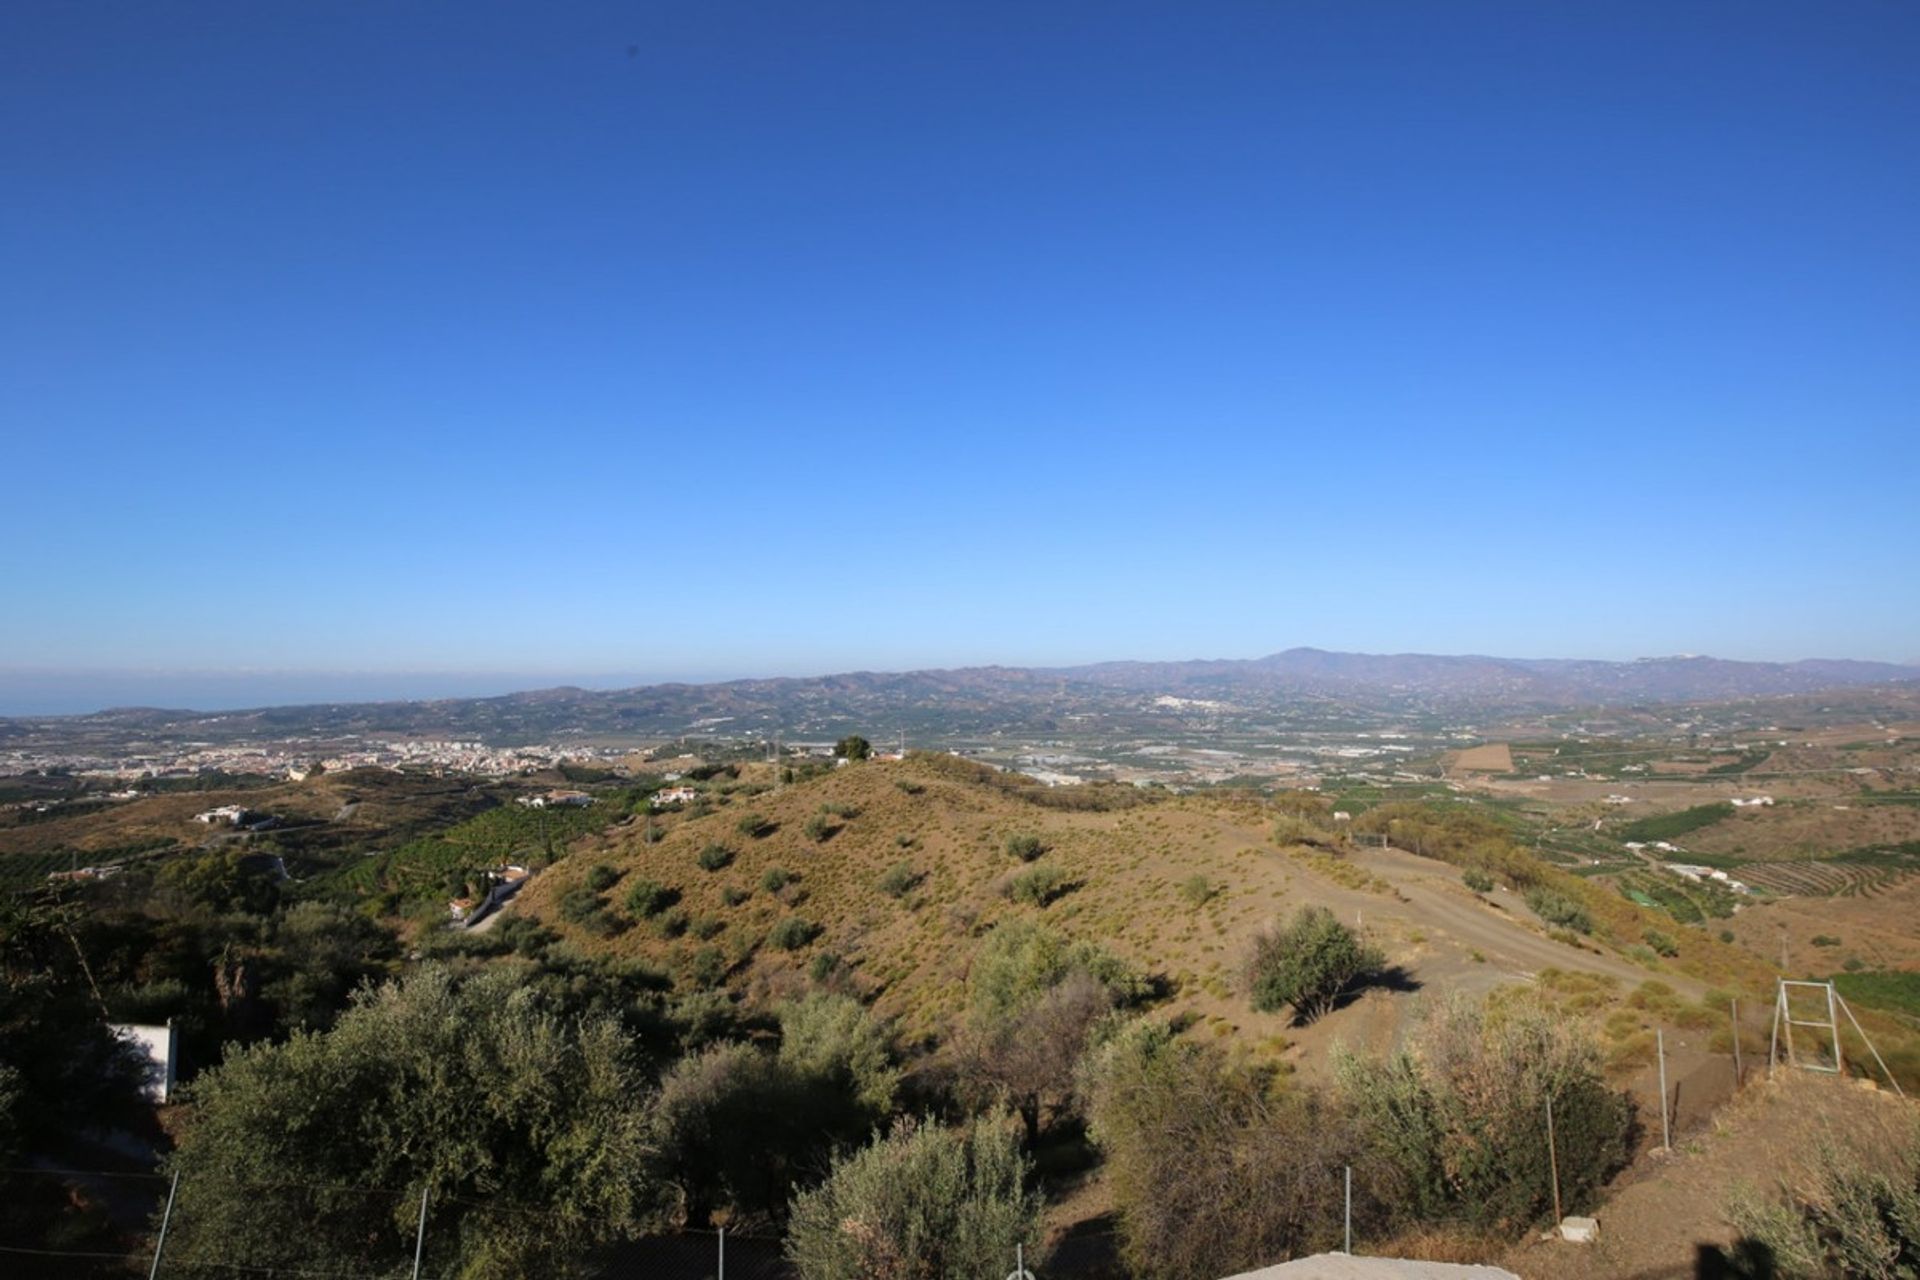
34,692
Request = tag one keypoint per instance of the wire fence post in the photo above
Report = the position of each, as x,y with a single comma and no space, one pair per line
166,1219
420,1235
1666,1133
1349,1214
1733,1016
1553,1163
721,1272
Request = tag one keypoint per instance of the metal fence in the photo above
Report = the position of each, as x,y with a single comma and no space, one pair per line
69,1224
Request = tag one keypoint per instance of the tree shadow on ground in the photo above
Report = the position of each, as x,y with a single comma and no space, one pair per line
1747,1260
1395,978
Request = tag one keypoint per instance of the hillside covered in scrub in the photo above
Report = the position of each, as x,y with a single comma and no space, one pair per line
880,877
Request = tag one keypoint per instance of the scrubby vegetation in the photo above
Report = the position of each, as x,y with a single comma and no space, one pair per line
1039,884
1212,1173
1308,964
942,905
923,1200
1560,910
1853,1212
1455,1127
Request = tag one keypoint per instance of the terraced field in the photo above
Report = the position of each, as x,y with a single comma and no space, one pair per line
1824,879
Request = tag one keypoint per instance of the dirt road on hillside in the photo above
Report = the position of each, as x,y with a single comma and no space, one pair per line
1505,933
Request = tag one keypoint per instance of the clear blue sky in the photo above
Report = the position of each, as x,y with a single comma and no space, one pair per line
711,338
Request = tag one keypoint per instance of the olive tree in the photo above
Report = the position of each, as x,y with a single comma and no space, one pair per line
923,1202
1212,1173
1455,1127
1308,963
525,1130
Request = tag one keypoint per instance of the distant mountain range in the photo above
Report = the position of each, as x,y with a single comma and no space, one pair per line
1543,682
992,700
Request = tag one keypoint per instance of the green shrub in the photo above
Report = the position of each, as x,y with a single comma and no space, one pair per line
1558,909
818,828
580,904
706,927
753,826
842,810
793,933
1290,830
1855,1212
1039,884
649,897
1825,940
1456,1125
776,879
715,857
900,880
824,966
1661,942
1477,880
1198,890
671,924
1212,1172
531,1089
1726,935
1308,964
708,967
948,1200
909,786
733,895
602,877
1026,848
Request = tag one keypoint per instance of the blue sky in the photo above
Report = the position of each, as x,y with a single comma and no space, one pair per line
714,338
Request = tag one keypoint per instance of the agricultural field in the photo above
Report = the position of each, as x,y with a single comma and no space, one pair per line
1494,757
1672,826
1851,874
1797,830
1873,925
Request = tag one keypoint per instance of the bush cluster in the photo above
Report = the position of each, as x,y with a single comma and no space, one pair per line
1039,884
1308,964
1559,910
792,933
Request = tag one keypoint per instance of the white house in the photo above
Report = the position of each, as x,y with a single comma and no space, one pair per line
159,1047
